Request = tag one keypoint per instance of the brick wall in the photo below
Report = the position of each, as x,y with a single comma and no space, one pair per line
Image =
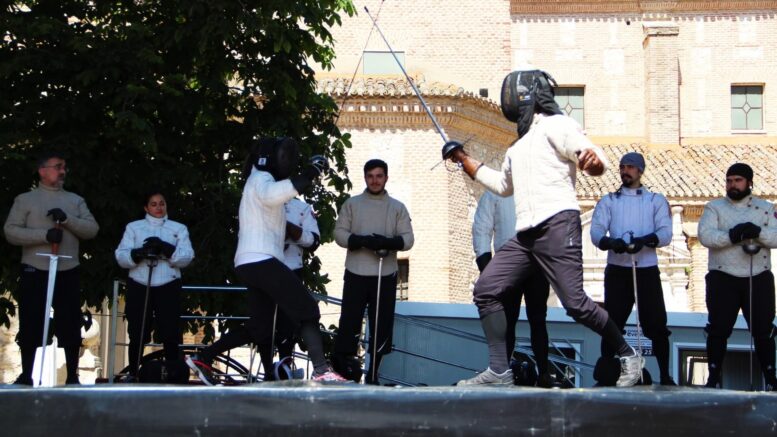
465,42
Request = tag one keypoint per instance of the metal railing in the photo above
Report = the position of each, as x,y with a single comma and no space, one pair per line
556,360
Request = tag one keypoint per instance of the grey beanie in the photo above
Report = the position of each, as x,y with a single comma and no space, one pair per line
635,159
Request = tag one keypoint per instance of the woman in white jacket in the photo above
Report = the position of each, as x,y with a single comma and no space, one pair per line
154,240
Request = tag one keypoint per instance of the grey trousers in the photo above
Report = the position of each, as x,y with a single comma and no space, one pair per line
553,248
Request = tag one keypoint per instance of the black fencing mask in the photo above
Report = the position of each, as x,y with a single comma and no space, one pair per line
526,92
277,156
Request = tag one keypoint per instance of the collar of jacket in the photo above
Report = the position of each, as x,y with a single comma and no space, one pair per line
154,221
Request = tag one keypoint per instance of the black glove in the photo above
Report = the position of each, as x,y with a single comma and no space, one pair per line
356,241
482,261
751,231
138,254
743,231
388,243
617,245
320,163
374,241
317,166
293,231
54,235
637,243
649,240
635,246
157,246
57,215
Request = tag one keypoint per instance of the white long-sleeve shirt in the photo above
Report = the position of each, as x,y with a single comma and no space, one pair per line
637,211
722,214
540,170
166,270
262,218
301,214
494,218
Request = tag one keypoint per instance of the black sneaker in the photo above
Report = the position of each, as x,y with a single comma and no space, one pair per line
23,380
546,380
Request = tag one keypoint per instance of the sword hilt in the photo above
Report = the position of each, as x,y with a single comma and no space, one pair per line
55,246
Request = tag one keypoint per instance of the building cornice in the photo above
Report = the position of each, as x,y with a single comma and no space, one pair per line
483,121
541,7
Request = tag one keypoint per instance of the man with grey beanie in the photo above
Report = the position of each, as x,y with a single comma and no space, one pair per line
630,224
729,227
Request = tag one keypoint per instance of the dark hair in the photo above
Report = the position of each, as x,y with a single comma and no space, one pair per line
375,163
44,157
151,193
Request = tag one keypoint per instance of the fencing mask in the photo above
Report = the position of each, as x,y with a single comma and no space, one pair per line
525,92
277,156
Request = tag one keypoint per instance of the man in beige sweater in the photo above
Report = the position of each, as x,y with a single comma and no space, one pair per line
32,224
369,222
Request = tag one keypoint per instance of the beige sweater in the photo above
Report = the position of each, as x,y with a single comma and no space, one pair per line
367,214
27,225
722,214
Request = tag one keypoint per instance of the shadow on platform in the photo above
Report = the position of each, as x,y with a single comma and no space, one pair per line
307,408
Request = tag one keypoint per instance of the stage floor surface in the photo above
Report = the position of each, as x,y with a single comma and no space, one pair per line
306,408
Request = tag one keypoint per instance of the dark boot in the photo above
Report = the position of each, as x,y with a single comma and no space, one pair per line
71,363
28,360
714,380
770,378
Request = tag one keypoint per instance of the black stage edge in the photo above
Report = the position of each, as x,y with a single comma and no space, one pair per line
306,408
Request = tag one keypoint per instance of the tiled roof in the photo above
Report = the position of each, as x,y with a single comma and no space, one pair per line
390,87
696,171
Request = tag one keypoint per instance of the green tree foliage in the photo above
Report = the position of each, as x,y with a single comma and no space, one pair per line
163,93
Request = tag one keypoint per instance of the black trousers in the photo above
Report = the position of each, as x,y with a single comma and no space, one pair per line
163,316
285,339
66,303
619,300
535,291
270,282
726,295
553,249
33,285
360,292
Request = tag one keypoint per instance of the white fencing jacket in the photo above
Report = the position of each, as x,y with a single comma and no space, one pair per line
166,270
301,214
494,217
262,218
540,170
635,210
722,214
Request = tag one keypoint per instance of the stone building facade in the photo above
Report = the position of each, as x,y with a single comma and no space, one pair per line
653,76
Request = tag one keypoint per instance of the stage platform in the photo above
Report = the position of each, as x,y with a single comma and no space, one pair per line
306,409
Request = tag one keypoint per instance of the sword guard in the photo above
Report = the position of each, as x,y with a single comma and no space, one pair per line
449,147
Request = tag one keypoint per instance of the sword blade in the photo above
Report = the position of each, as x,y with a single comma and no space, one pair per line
409,80
53,262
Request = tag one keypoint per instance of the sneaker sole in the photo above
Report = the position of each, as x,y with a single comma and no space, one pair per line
198,372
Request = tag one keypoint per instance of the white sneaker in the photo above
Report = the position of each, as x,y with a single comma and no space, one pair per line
631,370
489,377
